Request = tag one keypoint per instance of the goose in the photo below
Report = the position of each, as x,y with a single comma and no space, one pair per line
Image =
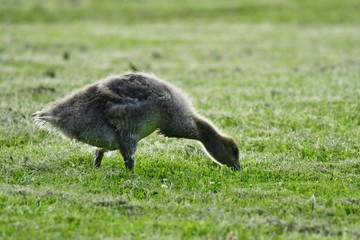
118,111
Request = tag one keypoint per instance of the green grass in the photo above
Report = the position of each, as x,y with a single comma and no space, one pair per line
281,77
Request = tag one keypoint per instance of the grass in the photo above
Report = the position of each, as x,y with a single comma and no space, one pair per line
281,77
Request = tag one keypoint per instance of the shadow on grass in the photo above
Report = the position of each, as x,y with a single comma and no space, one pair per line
48,196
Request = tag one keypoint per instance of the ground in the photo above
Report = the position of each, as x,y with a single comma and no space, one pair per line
281,77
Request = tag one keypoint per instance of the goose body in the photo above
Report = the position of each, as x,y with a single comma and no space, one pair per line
115,113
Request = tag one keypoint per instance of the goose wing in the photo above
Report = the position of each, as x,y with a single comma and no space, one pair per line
133,102
135,117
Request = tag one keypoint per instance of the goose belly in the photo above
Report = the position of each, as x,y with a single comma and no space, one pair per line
147,128
94,135
107,142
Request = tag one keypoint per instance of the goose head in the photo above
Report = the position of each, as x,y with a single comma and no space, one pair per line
221,148
225,152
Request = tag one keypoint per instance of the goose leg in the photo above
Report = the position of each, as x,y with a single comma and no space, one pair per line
99,153
129,160
128,146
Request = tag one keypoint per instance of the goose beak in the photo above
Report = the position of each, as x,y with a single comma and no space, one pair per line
236,166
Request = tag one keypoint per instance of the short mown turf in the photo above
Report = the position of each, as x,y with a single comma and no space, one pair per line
281,77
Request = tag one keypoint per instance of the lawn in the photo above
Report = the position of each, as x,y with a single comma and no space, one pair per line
281,77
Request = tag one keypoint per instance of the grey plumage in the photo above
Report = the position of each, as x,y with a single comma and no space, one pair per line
117,112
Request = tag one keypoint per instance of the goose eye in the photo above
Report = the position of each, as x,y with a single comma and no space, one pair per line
235,151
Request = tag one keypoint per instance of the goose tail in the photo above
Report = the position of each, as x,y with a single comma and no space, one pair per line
42,119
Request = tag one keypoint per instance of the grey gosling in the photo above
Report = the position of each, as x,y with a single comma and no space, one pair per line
115,113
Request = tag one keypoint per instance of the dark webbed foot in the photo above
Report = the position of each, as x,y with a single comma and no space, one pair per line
99,153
